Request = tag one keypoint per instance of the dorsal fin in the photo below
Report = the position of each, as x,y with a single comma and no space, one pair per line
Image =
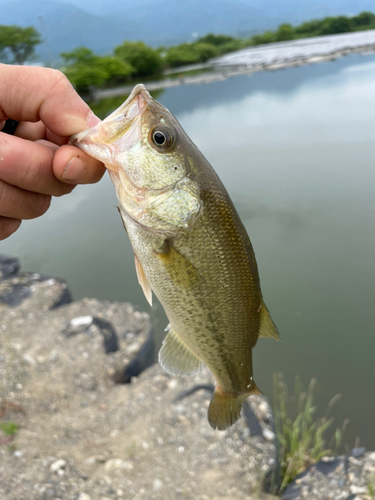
267,326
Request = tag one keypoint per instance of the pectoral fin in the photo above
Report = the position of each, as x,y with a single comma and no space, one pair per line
267,326
179,269
142,280
176,358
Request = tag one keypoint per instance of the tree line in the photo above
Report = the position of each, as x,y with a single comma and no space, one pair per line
132,60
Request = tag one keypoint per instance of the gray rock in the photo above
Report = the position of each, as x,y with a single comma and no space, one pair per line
117,463
36,290
157,485
334,478
90,324
358,452
58,465
144,358
358,490
269,435
84,496
9,266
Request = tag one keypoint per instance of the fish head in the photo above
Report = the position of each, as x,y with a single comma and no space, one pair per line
141,139
144,149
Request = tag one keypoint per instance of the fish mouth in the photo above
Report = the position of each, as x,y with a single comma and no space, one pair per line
120,131
141,98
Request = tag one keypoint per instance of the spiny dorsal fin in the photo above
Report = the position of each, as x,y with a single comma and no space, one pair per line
267,326
142,280
176,358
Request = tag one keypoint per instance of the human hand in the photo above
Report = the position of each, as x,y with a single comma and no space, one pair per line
36,162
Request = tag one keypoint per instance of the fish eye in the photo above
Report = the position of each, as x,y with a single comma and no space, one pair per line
163,138
159,138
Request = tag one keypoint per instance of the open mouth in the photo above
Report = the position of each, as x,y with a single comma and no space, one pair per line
120,131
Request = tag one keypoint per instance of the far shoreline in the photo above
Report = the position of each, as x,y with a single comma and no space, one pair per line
270,57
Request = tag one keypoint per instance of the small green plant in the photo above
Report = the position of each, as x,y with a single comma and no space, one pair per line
9,428
301,439
371,486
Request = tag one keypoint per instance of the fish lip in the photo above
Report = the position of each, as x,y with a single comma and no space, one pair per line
143,99
134,106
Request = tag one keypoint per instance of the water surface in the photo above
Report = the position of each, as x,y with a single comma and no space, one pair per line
296,151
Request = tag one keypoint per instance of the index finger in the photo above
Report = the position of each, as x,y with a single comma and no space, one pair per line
32,94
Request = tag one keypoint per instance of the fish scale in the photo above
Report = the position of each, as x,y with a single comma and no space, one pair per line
192,250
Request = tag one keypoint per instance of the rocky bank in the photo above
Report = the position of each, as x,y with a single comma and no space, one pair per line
86,415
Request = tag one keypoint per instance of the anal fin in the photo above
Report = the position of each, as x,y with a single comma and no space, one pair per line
267,326
176,358
142,280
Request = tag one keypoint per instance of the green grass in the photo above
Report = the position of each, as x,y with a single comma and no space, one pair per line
301,437
9,428
371,486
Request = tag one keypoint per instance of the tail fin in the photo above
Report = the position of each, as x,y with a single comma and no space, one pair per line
225,408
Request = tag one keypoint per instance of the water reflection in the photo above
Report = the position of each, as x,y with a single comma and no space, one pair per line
295,149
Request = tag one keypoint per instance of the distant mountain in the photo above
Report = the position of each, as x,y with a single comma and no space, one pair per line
102,24
65,27
281,10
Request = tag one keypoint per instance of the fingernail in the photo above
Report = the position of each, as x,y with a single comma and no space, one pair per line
92,120
74,170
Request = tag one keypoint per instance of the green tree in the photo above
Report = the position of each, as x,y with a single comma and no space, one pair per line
189,53
118,71
235,44
332,25
144,59
285,32
363,20
205,51
264,38
19,43
223,43
85,69
309,28
82,69
216,40
80,55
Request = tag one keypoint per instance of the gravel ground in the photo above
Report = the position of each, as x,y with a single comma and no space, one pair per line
81,436
337,478
70,431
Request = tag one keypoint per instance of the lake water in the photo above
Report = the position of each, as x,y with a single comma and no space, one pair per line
296,151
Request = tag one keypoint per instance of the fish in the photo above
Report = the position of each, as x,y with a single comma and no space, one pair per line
191,249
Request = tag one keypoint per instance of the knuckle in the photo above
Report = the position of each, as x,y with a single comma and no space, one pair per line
42,206
17,203
59,82
37,206
2,190
8,227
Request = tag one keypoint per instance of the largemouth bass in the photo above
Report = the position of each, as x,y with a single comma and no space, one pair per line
191,248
